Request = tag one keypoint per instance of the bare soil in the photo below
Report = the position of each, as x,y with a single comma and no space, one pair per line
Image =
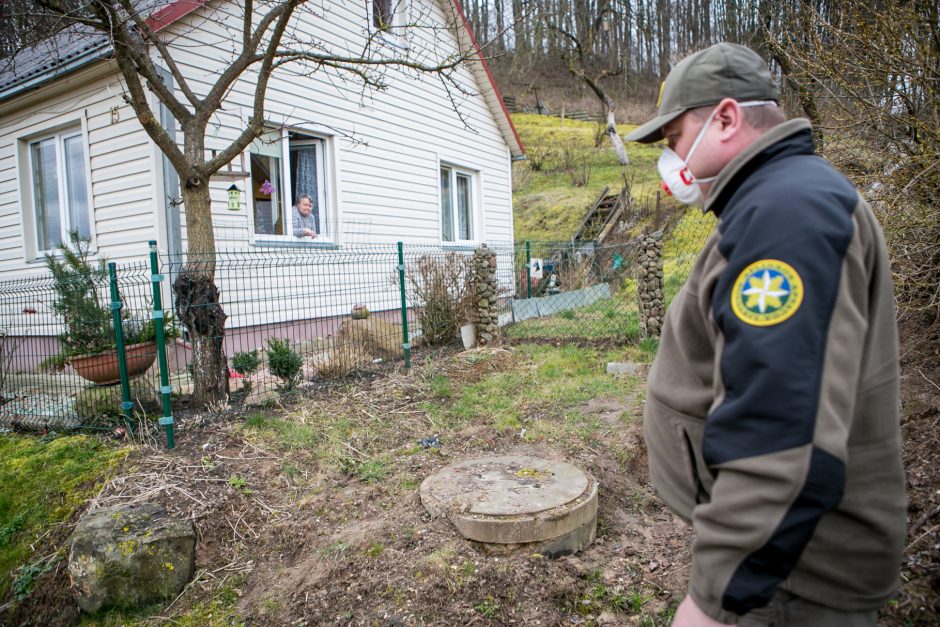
304,543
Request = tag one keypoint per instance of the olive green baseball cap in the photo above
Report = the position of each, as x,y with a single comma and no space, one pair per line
706,78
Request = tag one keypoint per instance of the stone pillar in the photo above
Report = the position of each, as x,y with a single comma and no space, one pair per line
649,285
486,294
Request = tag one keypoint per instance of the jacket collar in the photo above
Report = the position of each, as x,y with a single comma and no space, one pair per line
791,137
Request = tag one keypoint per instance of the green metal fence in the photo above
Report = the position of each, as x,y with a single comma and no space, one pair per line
292,318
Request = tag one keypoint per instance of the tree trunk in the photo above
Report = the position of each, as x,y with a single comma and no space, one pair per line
197,300
615,140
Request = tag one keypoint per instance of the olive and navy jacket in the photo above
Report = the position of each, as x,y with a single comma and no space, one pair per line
772,407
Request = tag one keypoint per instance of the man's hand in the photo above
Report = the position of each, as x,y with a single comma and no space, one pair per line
688,614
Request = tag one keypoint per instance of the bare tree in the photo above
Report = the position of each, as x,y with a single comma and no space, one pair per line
871,73
581,63
264,39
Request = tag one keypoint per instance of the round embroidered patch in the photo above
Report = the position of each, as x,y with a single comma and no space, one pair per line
767,292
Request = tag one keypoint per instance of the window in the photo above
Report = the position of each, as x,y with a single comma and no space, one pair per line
288,164
389,17
59,185
382,14
456,205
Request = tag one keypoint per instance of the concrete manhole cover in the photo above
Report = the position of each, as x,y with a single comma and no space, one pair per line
516,500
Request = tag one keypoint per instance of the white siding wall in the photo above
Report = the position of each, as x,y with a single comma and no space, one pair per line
384,146
120,156
383,149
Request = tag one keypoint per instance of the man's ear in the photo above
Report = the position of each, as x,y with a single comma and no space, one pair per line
728,116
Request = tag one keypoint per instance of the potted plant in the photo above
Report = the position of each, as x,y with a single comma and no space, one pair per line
87,340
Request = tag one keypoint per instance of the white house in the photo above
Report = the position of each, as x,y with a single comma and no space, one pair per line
420,161
416,161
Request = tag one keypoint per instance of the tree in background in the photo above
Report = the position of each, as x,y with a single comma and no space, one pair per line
869,72
263,39
581,63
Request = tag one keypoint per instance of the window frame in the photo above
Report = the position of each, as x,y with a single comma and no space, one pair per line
285,188
73,129
473,217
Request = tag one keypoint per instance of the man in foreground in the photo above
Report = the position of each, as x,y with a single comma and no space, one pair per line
772,406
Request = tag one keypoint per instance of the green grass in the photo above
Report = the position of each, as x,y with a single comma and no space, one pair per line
288,434
44,482
547,206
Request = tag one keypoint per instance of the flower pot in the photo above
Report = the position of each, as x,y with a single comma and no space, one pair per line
103,368
468,334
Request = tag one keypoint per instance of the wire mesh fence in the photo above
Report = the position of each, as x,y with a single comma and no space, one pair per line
276,321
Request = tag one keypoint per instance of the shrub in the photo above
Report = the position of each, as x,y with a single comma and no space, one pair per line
443,288
284,362
246,363
77,282
82,301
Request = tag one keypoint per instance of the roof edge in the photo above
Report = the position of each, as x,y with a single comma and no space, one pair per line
172,13
516,148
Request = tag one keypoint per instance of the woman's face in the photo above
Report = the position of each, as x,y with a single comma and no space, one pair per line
304,206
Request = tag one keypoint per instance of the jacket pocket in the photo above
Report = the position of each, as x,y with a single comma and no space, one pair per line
674,442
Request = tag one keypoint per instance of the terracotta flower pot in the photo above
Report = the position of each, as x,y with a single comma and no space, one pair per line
103,368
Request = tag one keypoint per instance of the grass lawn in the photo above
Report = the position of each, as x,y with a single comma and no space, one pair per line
546,204
43,483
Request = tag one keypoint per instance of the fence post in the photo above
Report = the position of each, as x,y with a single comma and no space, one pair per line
155,279
116,306
528,271
404,306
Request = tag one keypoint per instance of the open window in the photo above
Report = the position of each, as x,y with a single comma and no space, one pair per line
458,211
57,198
286,167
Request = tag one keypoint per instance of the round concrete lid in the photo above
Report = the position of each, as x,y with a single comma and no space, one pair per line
512,499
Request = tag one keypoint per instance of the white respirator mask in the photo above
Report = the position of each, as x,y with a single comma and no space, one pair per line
678,180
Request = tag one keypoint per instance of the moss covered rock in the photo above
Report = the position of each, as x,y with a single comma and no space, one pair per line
130,555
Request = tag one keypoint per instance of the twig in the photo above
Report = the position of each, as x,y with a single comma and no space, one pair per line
922,536
928,380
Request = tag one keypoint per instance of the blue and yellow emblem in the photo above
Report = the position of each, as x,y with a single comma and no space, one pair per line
767,292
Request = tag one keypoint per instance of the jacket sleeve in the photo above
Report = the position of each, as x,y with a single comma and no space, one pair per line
788,308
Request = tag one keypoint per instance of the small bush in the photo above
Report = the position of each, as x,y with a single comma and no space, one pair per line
284,362
443,286
246,364
539,157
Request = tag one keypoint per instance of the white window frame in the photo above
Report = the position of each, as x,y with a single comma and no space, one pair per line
324,198
473,219
32,245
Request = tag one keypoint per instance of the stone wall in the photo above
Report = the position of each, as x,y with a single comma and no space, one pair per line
486,294
649,285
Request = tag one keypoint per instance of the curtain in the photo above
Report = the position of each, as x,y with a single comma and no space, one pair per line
306,181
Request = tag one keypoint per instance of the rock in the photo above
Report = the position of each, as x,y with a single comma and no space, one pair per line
626,368
359,312
130,555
